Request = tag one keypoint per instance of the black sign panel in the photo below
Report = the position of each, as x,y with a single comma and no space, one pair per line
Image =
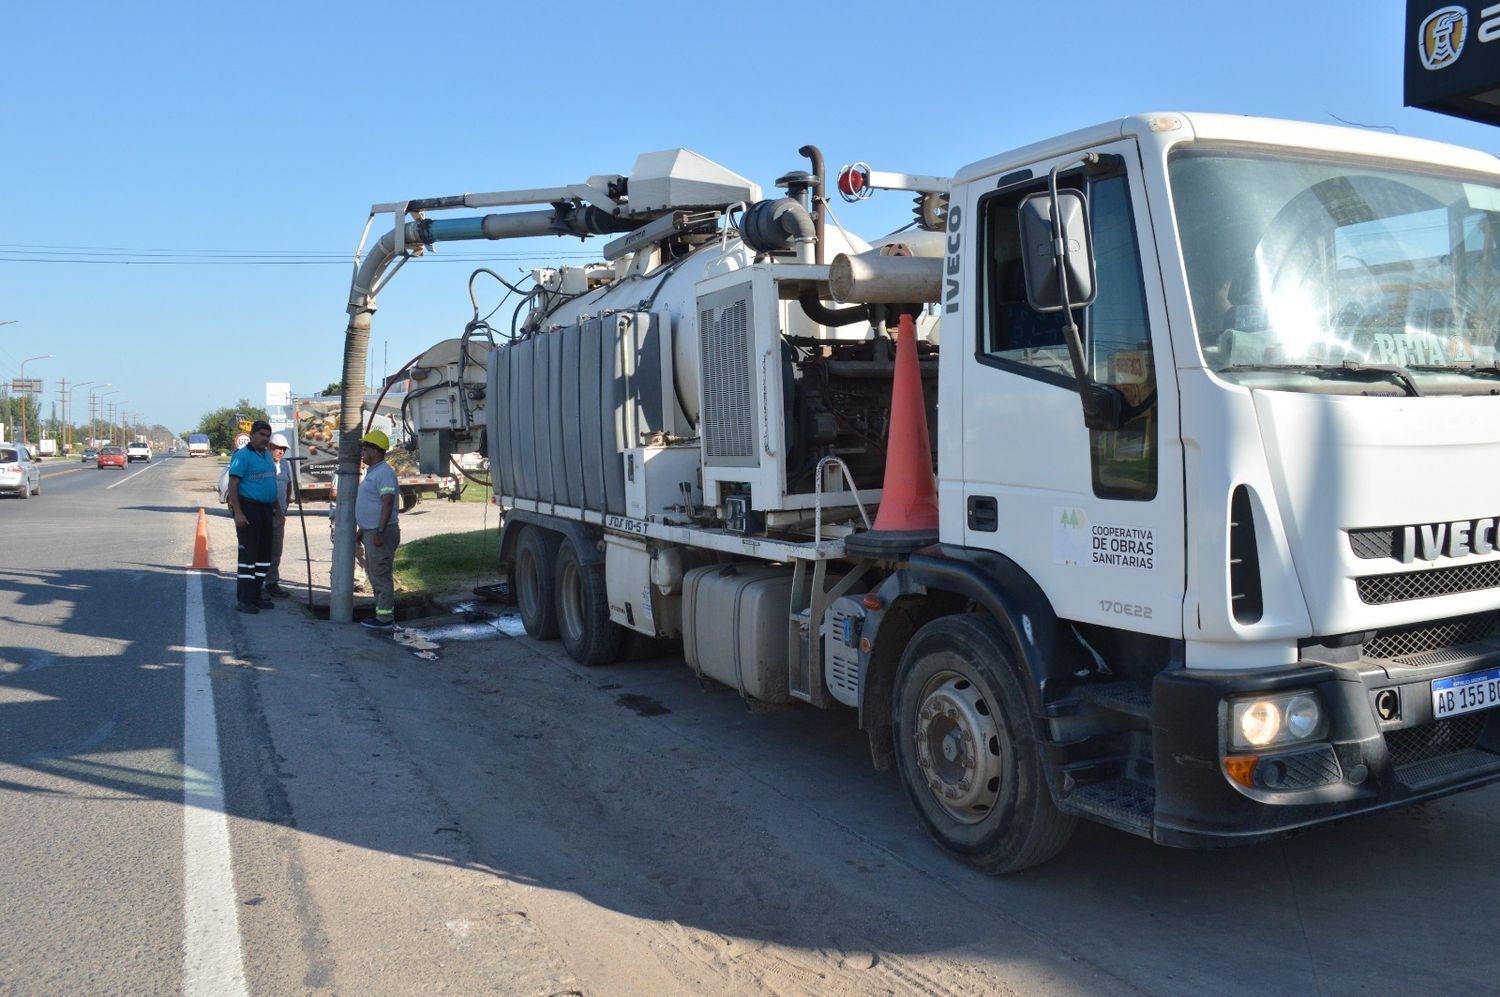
1453,58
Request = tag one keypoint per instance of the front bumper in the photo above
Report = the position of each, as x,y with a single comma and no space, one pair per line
1366,764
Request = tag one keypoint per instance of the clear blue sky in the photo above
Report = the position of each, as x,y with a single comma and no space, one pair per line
213,131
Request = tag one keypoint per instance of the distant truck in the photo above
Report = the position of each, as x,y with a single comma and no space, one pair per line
46,448
317,442
198,445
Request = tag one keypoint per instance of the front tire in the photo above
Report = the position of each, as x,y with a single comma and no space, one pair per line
966,750
588,634
535,584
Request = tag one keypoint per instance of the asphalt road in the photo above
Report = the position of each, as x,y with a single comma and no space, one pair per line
496,819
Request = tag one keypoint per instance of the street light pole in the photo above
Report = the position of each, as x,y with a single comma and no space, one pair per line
97,400
43,356
69,405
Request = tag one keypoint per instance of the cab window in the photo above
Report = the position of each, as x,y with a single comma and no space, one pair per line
1115,331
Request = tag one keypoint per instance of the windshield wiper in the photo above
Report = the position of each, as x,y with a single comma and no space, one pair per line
1397,371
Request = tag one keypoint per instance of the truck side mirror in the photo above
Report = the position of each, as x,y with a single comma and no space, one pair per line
1052,246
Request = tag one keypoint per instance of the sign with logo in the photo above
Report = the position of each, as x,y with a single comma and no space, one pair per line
279,406
26,385
1453,58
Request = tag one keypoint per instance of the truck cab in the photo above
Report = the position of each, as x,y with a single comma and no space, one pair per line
1275,564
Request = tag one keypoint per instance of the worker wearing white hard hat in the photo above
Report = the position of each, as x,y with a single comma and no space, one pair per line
279,446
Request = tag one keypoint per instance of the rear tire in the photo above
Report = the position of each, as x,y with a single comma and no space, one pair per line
588,634
535,581
966,750
409,501
25,491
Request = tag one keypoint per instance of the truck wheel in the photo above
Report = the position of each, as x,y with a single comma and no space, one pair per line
409,501
535,584
588,634
966,752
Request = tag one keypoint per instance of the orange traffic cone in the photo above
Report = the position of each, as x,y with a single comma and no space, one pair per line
200,543
908,516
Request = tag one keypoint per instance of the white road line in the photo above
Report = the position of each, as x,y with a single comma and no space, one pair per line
211,959
137,474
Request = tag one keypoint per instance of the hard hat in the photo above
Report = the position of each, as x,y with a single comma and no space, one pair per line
279,440
377,439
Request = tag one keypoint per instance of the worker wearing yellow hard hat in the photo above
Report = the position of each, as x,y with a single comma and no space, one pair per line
376,507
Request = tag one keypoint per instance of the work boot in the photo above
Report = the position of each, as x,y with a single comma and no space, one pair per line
271,588
266,603
376,623
246,607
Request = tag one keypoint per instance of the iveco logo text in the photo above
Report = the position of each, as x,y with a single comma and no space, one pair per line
1429,541
955,243
1441,38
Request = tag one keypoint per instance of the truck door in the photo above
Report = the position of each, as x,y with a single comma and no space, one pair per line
1095,516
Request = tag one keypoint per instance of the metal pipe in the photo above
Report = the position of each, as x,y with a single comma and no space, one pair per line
871,277
815,155
562,219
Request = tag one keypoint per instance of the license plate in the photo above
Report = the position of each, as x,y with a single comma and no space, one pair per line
1465,693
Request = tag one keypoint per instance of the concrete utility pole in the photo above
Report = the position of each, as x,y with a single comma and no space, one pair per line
80,384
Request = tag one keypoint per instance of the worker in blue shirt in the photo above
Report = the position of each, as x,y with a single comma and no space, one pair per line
252,499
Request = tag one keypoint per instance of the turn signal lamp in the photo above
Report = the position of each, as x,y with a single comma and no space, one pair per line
1241,768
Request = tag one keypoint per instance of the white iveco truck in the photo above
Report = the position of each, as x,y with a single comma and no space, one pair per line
1216,435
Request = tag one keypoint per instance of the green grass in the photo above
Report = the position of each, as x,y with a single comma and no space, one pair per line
475,492
448,562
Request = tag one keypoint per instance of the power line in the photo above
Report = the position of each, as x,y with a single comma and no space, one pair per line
258,262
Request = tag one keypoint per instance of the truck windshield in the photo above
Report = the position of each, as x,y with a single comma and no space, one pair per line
1346,276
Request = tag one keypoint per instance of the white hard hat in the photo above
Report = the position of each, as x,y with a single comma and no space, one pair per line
279,440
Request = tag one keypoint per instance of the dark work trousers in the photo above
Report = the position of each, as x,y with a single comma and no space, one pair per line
255,548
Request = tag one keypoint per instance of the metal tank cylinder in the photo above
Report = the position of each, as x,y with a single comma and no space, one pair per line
670,290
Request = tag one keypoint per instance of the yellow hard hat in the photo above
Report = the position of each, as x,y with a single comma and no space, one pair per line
377,439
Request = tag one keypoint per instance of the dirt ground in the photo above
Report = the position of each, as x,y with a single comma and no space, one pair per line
460,809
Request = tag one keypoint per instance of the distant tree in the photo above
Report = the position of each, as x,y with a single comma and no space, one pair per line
222,425
10,419
334,388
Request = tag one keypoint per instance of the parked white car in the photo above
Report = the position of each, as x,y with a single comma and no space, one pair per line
19,473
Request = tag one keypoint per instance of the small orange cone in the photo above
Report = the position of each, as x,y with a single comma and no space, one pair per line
200,543
908,516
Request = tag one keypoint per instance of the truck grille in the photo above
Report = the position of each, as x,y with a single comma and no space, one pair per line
1435,740
1432,636
1377,590
1373,543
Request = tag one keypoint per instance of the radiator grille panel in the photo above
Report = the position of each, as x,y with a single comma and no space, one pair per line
1436,635
728,401
1376,590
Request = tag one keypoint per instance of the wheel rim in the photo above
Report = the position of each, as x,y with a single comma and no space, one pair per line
959,748
530,584
570,599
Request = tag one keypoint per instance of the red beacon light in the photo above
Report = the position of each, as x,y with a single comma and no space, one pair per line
854,182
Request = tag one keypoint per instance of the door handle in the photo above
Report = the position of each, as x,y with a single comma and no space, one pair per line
984,513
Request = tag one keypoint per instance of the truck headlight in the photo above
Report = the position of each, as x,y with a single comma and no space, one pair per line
1267,721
